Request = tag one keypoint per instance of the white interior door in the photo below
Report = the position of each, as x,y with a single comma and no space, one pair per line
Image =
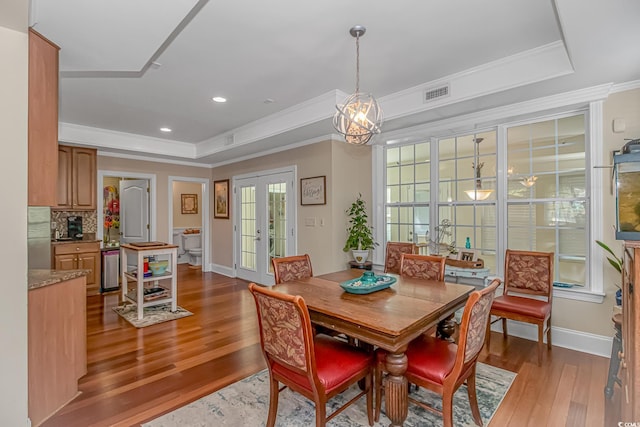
264,224
134,210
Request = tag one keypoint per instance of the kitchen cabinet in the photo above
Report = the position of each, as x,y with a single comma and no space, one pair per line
80,256
43,121
630,356
77,175
57,342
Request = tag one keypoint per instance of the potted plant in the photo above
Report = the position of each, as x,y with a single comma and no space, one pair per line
360,234
617,263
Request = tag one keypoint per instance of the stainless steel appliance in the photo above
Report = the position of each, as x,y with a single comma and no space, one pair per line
110,269
39,237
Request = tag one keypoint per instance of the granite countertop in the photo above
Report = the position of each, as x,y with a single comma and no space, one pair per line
41,278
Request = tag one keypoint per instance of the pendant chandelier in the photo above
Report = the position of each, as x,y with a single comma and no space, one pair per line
360,117
478,193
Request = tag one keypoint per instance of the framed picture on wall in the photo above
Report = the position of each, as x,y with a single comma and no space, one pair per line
221,197
313,191
189,203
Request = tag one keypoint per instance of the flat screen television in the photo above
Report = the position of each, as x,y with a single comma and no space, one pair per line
627,179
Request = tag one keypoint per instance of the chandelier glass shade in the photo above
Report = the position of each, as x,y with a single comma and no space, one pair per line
360,117
478,193
529,181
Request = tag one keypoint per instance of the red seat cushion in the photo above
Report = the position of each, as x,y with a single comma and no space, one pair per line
336,362
428,357
524,306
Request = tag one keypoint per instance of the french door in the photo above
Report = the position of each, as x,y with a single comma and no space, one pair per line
264,223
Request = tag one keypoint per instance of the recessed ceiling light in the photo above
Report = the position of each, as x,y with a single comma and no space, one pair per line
165,129
219,99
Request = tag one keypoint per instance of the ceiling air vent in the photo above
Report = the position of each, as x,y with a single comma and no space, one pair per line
435,93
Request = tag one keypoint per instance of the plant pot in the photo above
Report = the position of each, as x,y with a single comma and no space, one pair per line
360,256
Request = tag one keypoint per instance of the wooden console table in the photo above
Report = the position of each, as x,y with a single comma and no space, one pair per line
140,251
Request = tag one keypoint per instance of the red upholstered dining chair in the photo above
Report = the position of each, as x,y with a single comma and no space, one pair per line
318,367
428,267
290,268
528,273
442,366
394,253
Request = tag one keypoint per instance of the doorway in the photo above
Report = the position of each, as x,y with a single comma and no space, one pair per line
175,202
264,222
145,212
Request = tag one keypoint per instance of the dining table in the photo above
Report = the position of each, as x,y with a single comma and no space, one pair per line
389,318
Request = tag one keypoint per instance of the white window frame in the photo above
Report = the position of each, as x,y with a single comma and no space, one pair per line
594,286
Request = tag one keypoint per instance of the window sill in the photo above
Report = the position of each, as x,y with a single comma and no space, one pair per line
579,295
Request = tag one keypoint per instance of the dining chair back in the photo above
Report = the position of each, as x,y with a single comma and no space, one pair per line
394,253
290,268
442,366
318,367
526,274
428,267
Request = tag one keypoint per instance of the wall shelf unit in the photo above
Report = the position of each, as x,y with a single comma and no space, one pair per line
152,290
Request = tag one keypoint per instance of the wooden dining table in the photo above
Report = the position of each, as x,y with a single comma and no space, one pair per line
390,319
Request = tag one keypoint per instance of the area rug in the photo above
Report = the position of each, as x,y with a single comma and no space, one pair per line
246,403
152,315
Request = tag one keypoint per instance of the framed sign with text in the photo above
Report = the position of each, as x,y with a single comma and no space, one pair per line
313,191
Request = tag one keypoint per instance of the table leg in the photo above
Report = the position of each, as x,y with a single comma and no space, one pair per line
395,388
446,328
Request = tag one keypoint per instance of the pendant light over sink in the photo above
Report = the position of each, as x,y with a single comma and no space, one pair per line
360,117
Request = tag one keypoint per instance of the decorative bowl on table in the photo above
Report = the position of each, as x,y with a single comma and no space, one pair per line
158,268
369,282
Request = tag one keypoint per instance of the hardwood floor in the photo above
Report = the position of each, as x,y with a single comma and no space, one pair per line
135,375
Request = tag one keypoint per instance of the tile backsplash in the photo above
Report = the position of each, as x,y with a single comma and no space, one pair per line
89,221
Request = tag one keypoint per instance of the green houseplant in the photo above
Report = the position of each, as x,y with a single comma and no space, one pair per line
360,233
617,263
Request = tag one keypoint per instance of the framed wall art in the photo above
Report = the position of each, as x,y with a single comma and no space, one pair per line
189,203
313,191
221,197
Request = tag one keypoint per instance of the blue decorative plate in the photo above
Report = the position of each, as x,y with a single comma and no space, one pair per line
367,284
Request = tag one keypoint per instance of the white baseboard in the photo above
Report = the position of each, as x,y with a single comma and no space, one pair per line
221,269
575,340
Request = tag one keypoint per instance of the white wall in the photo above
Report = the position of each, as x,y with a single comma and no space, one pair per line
13,218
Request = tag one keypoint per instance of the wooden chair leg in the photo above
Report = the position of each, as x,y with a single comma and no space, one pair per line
473,397
504,327
540,342
321,412
447,408
273,403
549,333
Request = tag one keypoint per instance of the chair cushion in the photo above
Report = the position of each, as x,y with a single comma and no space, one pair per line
523,306
428,357
336,361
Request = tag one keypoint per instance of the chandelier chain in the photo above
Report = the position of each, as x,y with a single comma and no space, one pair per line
358,63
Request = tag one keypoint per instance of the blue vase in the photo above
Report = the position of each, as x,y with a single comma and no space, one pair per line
619,297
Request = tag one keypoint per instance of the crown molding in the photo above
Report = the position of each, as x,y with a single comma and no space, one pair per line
531,66
483,118
303,114
622,87
152,159
105,138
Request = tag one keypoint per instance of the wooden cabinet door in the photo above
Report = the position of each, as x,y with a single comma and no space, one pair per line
43,120
84,178
65,167
65,262
91,261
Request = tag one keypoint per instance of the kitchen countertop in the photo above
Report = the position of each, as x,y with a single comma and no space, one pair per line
41,278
